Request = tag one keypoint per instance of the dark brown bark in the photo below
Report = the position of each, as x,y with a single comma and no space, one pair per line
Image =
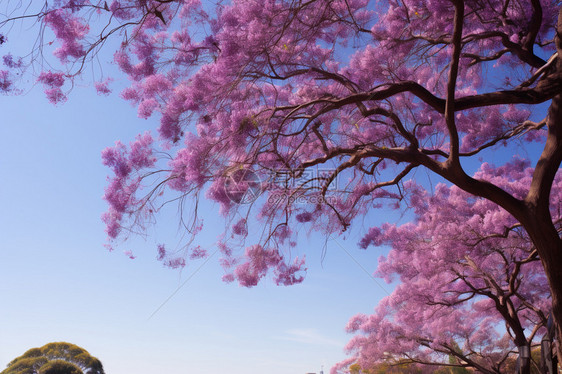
533,212
538,221
549,246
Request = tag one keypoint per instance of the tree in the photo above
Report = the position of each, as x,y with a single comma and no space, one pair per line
472,287
391,368
60,367
309,95
55,358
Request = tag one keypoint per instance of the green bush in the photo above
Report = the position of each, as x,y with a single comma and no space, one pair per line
55,358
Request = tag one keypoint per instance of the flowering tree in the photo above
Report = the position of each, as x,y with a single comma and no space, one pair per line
472,286
336,101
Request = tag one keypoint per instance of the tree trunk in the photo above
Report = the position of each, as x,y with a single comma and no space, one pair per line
550,253
536,217
524,359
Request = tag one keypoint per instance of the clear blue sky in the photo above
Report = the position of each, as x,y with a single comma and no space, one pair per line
58,282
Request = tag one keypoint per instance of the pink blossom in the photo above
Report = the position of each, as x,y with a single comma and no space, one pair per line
126,164
53,83
197,253
102,88
359,89
5,81
287,275
447,260
12,63
258,261
304,217
69,29
240,228
50,79
161,252
147,107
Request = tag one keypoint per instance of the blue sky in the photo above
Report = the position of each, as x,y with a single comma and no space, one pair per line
58,282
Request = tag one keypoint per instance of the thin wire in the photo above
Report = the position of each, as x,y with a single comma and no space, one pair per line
212,254
183,284
361,266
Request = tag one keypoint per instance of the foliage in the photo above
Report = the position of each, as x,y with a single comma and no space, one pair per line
333,108
391,368
59,367
55,358
469,276
403,367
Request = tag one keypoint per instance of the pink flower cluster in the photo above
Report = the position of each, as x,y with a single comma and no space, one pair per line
53,83
70,30
102,87
274,85
127,164
464,264
11,62
259,260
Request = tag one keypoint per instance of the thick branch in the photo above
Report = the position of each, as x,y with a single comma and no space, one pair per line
451,84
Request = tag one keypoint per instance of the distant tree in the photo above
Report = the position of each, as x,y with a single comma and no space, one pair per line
60,367
404,367
387,368
55,358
